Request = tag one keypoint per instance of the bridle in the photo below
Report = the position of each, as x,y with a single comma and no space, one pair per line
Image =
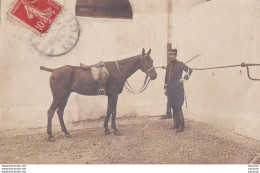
146,81
145,70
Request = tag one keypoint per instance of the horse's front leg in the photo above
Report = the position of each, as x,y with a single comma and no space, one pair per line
109,112
116,131
111,109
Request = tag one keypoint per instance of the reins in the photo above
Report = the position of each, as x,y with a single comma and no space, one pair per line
144,87
220,67
128,87
231,66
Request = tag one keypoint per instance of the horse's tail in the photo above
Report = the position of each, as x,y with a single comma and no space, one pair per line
46,69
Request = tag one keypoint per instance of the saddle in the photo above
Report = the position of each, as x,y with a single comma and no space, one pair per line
99,73
97,65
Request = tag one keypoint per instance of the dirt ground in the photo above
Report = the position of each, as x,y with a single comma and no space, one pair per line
144,140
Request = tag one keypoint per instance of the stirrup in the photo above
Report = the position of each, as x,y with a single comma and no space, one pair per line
101,91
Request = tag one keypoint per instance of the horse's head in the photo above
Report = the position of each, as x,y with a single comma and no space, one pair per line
147,65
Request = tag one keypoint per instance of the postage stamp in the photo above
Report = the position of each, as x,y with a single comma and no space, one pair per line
38,14
61,38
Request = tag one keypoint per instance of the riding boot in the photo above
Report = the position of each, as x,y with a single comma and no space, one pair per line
168,112
175,120
181,121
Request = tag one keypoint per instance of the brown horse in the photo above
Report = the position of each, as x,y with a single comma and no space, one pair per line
67,79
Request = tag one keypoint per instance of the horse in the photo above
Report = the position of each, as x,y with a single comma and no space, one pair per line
68,79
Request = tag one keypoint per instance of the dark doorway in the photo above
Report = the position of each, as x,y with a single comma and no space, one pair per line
116,9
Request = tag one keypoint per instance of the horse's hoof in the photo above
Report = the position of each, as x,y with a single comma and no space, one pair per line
107,132
51,139
117,133
68,135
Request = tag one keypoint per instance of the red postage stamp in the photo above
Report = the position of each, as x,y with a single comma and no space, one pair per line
39,14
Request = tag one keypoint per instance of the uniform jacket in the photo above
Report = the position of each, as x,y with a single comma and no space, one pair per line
174,88
174,71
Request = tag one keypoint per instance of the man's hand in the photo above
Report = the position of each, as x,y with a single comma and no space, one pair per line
181,80
186,77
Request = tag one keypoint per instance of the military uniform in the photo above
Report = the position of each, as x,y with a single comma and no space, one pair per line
175,91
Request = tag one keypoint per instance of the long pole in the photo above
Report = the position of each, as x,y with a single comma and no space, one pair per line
169,35
169,45
169,28
191,59
0,13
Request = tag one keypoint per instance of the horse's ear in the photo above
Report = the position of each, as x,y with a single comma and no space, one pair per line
143,52
149,52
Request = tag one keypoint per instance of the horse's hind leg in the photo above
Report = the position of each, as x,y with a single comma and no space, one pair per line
60,113
51,112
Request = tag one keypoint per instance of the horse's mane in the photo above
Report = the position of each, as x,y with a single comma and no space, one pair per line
126,59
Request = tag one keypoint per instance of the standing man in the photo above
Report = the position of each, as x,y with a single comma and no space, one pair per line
174,88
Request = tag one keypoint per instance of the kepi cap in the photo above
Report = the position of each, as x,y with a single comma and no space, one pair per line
173,51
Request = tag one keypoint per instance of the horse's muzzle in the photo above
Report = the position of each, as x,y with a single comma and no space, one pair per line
153,74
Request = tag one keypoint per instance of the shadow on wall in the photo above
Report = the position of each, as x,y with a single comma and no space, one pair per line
225,98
